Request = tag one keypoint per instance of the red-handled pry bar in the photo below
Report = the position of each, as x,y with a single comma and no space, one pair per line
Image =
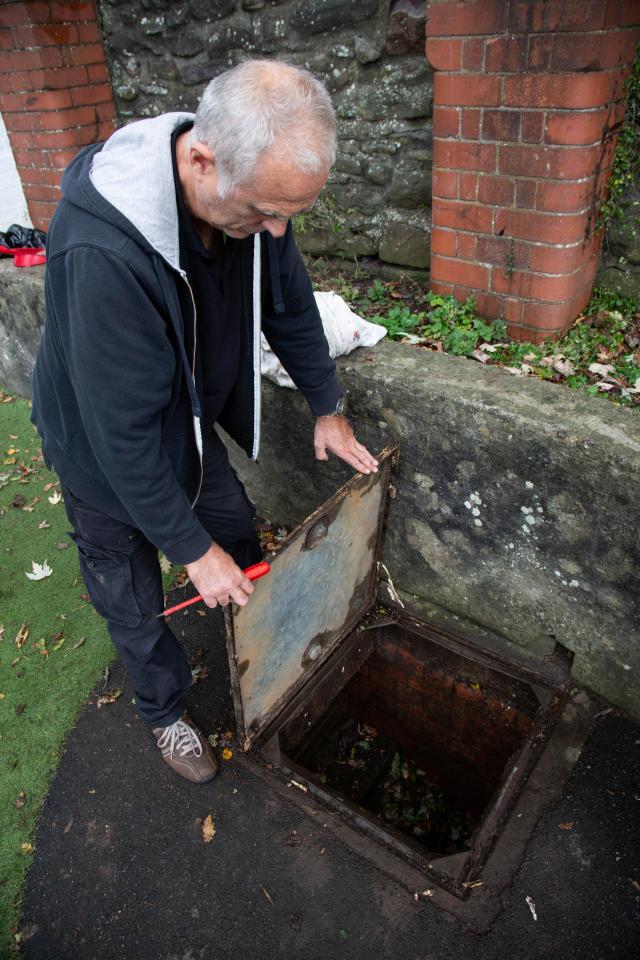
254,573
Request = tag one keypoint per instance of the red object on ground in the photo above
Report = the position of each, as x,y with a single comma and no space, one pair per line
24,256
254,572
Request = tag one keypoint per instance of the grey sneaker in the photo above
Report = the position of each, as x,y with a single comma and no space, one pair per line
186,750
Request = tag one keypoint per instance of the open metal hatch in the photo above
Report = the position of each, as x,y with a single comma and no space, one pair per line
323,578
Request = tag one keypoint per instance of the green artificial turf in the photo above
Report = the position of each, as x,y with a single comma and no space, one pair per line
45,682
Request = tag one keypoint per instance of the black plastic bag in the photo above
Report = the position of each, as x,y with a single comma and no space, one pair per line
17,236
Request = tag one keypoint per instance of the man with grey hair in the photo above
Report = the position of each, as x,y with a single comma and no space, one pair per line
171,249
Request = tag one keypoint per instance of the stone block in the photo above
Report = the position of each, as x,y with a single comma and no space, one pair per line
187,42
404,244
21,321
211,9
406,31
410,185
321,16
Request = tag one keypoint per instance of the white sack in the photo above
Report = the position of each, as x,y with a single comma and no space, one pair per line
344,331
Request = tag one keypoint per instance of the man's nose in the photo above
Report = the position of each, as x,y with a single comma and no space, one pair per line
277,228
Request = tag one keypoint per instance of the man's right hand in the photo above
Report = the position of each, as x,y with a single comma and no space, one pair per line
218,579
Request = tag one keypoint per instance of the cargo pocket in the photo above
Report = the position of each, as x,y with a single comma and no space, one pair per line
107,575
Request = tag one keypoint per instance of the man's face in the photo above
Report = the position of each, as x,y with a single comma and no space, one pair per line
276,193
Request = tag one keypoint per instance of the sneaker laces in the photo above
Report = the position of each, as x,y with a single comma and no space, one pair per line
180,738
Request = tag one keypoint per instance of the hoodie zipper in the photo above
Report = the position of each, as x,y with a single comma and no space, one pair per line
196,422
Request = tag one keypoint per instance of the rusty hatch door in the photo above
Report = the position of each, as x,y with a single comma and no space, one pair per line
323,578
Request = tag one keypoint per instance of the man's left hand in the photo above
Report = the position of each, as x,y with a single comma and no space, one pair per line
335,434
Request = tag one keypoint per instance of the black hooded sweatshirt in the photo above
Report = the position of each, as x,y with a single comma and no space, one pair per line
114,396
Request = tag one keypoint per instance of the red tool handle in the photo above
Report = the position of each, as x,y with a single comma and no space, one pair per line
254,573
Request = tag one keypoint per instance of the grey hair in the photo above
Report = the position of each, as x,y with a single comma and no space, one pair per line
263,104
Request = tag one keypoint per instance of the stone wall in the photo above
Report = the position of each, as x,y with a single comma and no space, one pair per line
371,56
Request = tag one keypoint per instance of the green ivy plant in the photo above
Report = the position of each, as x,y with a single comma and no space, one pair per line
625,172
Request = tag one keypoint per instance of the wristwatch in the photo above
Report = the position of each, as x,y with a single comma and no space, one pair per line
340,410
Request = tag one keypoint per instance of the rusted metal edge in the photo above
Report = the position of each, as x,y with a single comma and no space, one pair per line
288,772
388,459
511,786
556,673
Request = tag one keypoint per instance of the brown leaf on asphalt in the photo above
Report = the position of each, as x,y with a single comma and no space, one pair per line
208,829
267,895
21,636
21,799
566,826
109,697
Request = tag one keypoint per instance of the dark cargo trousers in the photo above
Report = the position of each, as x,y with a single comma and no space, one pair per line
121,570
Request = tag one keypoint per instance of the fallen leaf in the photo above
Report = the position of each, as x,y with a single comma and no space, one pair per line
267,895
566,826
165,565
21,799
50,485
40,571
603,385
564,367
43,525
58,644
2,696
227,754
21,636
1,631
479,355
55,497
529,357
62,546
26,848
109,697
602,369
79,643
208,829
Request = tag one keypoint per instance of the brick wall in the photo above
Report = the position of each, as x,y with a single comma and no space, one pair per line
528,102
55,94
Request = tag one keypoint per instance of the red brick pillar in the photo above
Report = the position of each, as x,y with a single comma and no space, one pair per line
528,103
55,94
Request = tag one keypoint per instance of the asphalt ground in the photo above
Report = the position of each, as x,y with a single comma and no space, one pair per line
121,871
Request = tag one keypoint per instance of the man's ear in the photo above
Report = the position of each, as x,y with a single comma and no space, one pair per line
201,158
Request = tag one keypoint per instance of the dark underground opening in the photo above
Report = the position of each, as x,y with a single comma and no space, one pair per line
418,739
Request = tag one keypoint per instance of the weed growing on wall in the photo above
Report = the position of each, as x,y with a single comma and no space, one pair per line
625,173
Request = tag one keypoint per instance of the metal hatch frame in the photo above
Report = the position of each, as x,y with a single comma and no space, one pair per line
251,734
